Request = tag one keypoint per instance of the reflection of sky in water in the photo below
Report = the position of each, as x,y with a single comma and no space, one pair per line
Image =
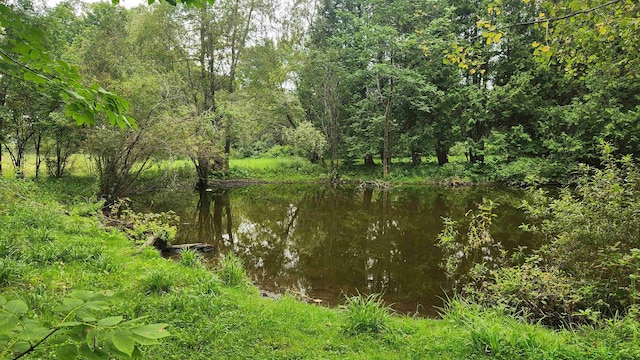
324,243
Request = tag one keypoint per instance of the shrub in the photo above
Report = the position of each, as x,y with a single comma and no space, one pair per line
468,260
532,171
141,226
82,332
366,314
589,263
307,141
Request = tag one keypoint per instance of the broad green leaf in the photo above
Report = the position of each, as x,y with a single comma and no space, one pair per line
95,354
96,305
123,341
34,333
69,324
2,300
16,307
20,346
151,331
67,352
7,323
35,78
75,94
82,294
135,321
144,341
85,315
80,332
110,321
72,303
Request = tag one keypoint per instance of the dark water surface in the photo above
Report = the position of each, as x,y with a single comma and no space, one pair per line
326,243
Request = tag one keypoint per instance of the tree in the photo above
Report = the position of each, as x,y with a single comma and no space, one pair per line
24,57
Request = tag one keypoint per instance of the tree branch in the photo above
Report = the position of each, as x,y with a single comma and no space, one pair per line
33,347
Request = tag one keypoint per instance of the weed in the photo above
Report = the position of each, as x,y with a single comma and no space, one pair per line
157,282
232,270
366,314
50,253
209,286
10,271
104,263
190,258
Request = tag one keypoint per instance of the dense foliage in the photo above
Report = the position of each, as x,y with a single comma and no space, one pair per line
586,264
528,87
517,91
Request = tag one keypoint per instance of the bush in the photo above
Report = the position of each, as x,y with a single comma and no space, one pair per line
594,234
590,261
280,151
307,141
532,171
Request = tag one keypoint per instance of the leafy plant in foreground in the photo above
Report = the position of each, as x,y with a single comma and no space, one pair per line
80,332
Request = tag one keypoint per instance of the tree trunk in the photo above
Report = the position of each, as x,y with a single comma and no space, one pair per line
3,98
416,158
368,160
313,158
386,149
37,141
202,168
476,156
442,155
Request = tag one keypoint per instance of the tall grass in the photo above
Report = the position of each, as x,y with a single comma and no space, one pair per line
157,281
232,270
190,258
366,314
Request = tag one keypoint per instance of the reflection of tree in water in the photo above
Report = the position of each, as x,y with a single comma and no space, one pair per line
207,227
331,241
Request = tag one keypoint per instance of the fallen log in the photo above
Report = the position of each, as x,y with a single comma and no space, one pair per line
170,249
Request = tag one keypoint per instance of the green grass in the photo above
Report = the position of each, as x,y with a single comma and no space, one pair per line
180,173
366,314
232,271
51,250
190,258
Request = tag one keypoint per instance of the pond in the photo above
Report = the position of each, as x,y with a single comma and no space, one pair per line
324,243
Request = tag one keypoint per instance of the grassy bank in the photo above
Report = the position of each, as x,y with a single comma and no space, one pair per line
52,244
181,172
